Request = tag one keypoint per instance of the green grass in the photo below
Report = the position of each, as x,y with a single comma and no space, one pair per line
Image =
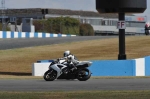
77,95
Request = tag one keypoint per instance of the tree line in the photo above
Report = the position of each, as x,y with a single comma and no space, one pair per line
63,25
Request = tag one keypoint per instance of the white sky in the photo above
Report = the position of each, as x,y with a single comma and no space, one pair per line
88,5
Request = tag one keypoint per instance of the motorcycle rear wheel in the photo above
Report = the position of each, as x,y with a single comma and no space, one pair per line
50,75
83,75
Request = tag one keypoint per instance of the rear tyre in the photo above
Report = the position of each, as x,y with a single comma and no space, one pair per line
50,75
84,75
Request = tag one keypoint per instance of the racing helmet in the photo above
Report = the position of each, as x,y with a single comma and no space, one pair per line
66,53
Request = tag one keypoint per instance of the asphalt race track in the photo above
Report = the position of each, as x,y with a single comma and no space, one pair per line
30,42
75,85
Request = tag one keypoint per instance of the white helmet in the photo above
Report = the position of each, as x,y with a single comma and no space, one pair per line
66,53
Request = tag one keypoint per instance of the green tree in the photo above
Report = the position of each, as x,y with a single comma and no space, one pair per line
86,30
64,25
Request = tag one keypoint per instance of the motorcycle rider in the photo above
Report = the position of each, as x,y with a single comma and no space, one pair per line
71,60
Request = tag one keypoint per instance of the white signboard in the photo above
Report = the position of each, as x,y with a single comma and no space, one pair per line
121,25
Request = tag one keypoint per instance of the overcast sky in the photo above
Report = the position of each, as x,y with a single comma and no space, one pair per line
88,5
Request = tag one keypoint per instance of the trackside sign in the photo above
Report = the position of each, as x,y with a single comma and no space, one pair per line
121,25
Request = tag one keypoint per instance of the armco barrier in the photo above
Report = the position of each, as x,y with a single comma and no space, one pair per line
147,66
113,68
9,34
135,67
38,69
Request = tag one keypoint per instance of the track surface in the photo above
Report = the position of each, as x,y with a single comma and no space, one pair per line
75,85
30,42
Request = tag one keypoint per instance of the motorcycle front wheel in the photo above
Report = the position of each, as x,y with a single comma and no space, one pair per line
50,75
83,74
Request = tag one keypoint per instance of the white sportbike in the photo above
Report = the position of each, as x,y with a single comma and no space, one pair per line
58,68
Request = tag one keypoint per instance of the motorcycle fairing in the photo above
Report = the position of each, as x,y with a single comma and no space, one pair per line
56,68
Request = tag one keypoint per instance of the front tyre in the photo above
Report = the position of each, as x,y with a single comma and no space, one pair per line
83,74
50,75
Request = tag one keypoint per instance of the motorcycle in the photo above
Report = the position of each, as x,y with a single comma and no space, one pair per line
58,68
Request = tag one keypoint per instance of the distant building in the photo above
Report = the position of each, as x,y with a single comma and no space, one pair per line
103,24
20,18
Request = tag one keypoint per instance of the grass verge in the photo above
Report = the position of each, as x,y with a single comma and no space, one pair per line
18,62
77,95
